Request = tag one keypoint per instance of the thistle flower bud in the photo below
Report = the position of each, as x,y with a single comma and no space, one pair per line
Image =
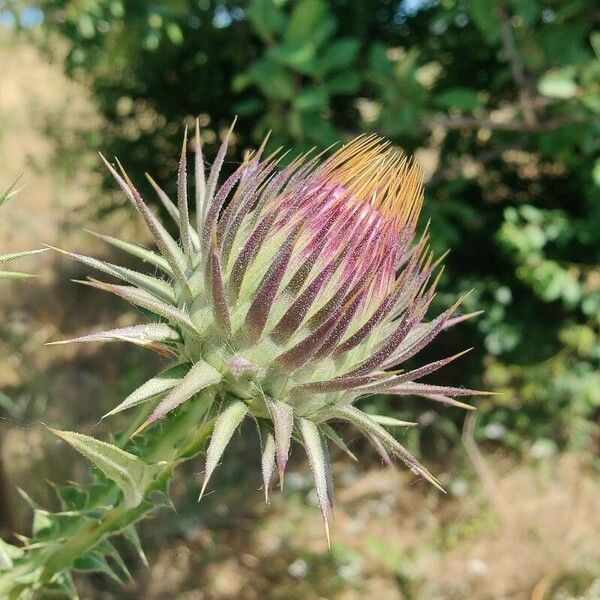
300,290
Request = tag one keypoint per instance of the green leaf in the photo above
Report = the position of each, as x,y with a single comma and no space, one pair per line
225,425
95,563
266,18
273,80
108,550
595,42
10,192
297,56
200,376
137,251
129,472
343,83
4,258
156,287
131,535
557,84
340,54
174,33
391,421
8,554
312,99
596,172
484,15
163,382
306,17
319,465
146,300
41,522
462,98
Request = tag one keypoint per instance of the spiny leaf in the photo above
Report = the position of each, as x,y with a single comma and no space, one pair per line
167,245
145,300
4,258
267,463
163,382
337,439
283,421
216,285
182,201
131,535
108,550
10,192
94,562
156,287
137,251
319,466
146,335
200,376
199,178
173,210
367,424
412,375
391,421
128,471
413,388
15,275
225,425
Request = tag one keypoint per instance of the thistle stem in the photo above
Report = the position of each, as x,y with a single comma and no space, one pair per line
179,438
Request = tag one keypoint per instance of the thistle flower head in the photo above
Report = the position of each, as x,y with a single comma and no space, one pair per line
298,291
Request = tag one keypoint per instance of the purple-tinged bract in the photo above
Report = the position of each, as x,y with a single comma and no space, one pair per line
299,290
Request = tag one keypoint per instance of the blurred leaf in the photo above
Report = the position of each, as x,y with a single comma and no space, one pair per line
595,42
266,18
8,553
557,84
338,55
174,33
344,83
306,18
312,99
273,80
485,16
462,98
596,172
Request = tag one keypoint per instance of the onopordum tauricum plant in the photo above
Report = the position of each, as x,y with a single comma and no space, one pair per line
293,293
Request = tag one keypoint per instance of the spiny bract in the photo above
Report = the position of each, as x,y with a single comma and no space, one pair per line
298,292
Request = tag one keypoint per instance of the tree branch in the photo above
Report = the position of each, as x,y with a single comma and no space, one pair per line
516,65
488,123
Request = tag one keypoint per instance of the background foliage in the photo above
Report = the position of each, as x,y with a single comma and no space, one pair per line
499,100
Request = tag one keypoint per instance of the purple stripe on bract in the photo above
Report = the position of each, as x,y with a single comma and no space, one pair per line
260,308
